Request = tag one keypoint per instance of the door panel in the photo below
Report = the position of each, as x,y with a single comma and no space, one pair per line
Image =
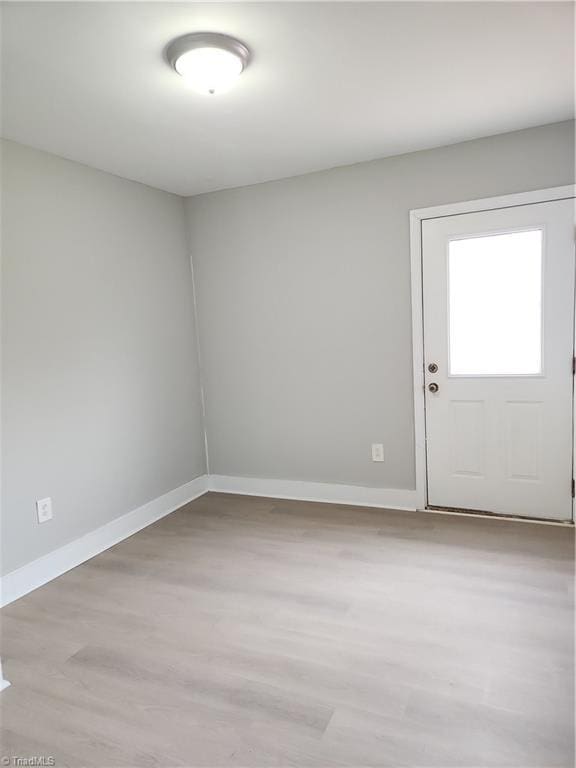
467,437
498,290
524,440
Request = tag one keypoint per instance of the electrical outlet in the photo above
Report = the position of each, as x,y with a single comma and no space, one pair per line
44,510
377,452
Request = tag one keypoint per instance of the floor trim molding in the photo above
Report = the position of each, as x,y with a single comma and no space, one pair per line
331,493
33,575
29,577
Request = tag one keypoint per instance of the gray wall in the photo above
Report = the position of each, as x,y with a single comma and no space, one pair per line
303,290
100,391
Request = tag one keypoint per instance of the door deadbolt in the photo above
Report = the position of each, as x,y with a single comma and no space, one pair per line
432,367
433,387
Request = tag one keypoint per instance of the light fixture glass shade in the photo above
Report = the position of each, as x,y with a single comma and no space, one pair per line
209,69
209,62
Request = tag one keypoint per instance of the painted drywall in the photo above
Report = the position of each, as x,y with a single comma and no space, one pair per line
303,292
100,389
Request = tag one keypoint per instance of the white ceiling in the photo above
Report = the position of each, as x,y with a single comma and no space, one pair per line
330,83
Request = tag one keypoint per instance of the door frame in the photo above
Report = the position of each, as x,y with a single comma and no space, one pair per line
417,216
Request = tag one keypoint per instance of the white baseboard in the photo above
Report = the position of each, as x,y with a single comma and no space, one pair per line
333,493
33,575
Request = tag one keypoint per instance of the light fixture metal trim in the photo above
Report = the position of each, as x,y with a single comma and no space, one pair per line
186,43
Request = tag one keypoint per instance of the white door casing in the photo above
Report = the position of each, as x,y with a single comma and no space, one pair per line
3,683
499,442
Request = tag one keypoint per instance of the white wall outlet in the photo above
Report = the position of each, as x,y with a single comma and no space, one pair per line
44,510
377,452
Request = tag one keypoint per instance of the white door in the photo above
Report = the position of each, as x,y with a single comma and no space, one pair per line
498,293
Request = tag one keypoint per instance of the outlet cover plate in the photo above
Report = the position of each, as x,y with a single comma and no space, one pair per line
44,510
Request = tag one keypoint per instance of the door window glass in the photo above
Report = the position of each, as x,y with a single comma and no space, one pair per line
495,304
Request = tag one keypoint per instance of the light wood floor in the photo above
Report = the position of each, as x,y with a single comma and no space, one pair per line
252,632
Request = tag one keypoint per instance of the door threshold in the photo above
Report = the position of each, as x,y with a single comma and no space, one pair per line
494,515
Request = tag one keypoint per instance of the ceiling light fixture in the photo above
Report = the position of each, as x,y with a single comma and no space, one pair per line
208,61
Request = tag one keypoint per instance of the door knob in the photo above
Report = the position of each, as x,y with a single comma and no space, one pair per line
433,387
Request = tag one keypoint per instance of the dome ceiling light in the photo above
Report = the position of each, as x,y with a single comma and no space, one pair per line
208,61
